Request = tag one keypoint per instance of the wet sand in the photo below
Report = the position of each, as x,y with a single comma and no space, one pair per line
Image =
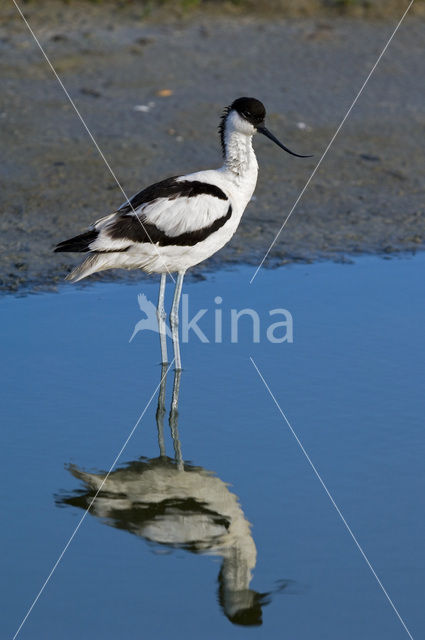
367,197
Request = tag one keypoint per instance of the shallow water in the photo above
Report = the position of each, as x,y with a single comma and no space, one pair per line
168,551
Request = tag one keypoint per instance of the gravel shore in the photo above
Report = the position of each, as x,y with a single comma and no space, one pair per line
151,92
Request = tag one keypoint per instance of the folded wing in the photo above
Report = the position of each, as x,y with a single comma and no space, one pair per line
175,211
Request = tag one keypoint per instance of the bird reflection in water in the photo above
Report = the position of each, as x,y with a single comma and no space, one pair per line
169,502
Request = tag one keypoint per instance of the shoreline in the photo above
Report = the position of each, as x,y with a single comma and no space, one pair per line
196,274
152,93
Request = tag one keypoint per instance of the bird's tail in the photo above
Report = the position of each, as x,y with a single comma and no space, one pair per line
93,480
92,264
81,244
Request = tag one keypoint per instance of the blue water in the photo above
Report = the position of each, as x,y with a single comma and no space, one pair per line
351,386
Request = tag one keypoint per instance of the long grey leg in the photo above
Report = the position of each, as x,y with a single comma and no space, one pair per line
161,316
173,420
160,411
174,320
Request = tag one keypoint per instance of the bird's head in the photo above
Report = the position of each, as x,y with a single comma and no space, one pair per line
247,116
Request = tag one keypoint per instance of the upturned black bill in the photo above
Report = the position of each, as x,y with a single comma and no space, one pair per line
269,135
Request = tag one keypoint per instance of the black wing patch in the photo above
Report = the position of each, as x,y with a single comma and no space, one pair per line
171,189
79,243
138,230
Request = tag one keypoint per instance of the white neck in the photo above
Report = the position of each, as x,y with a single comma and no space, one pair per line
239,156
239,153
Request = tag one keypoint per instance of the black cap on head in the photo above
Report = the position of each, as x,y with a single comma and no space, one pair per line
251,109
252,617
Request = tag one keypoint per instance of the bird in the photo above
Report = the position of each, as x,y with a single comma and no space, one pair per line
180,221
177,505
